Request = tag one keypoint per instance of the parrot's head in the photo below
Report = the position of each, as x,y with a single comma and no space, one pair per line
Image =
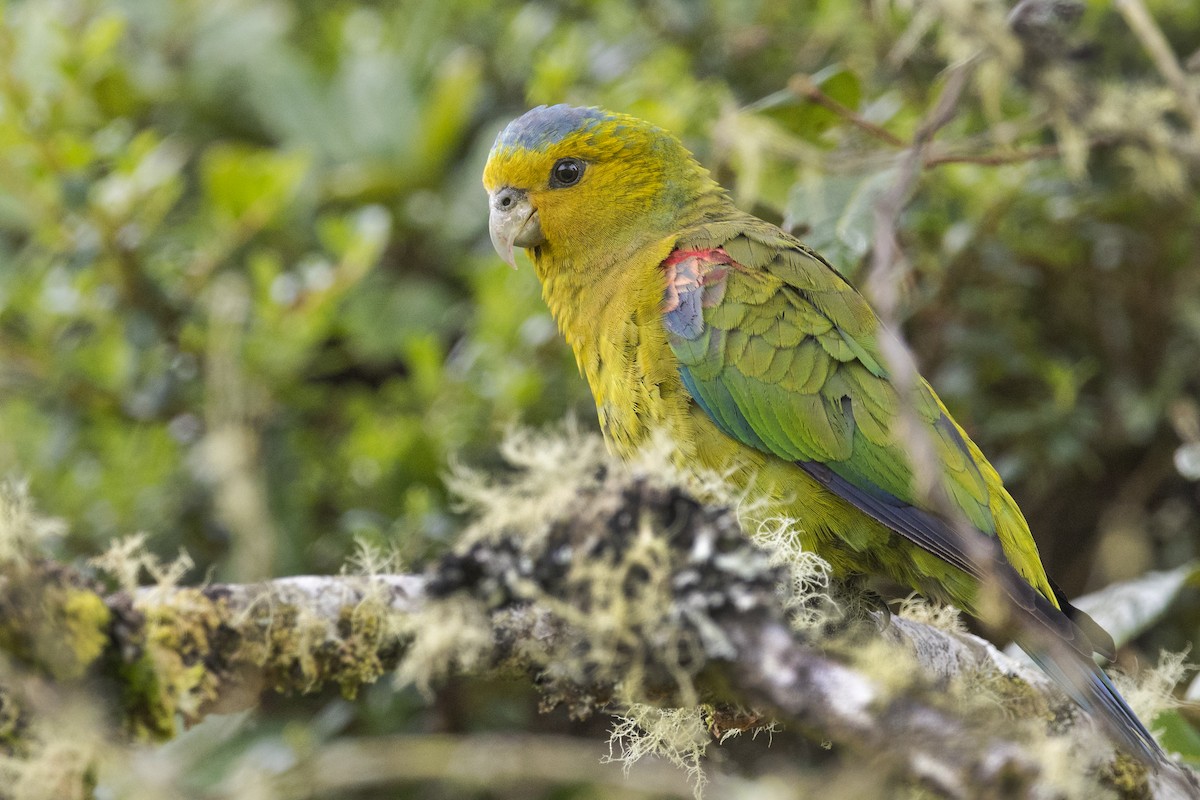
580,185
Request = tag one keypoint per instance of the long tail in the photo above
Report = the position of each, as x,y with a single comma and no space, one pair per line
1060,648
1056,643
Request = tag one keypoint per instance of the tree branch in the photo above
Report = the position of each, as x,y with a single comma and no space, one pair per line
632,593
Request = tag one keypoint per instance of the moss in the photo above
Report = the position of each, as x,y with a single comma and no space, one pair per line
300,651
85,619
359,663
182,651
51,618
175,670
14,725
1127,776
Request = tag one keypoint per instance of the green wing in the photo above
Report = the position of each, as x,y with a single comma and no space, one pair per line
784,356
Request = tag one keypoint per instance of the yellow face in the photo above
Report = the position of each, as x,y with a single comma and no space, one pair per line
565,181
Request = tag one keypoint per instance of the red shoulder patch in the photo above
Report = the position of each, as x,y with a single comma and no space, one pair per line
695,280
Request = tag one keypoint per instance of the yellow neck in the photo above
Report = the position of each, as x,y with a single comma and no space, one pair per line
610,315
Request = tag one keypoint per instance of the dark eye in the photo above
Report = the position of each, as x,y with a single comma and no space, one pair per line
565,172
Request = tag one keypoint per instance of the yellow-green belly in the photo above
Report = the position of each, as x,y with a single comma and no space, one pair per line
850,541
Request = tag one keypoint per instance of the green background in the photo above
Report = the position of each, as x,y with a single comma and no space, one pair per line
248,305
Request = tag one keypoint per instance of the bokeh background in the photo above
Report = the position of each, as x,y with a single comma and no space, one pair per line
248,305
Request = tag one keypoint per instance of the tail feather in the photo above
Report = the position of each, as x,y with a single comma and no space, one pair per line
1083,680
1102,642
1060,645
1060,640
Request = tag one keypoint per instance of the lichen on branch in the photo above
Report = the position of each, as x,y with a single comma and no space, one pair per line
615,590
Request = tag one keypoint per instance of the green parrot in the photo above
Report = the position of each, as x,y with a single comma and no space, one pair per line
760,361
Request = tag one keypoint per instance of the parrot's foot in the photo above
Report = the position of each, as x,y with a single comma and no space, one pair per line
860,605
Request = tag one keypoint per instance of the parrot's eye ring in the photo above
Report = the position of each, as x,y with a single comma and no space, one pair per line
565,172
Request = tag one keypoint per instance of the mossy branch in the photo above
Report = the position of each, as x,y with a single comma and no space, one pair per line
630,594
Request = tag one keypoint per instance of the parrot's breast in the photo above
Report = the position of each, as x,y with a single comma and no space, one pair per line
614,324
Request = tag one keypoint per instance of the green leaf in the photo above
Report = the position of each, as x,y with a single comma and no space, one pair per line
1127,609
448,109
835,214
1179,736
805,118
839,84
251,185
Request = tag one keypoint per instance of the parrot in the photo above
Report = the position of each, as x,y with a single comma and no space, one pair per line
758,360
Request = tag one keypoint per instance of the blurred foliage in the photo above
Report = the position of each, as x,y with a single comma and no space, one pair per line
248,305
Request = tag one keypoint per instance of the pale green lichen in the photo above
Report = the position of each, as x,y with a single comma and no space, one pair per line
930,612
550,467
450,635
23,531
807,594
679,735
1151,691
623,612
127,559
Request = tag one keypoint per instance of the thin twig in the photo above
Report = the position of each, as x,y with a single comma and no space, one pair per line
994,159
1155,43
883,282
888,270
803,86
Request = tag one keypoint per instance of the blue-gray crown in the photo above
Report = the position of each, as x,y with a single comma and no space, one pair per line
545,125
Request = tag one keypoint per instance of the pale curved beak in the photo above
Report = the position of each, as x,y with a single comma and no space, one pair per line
512,222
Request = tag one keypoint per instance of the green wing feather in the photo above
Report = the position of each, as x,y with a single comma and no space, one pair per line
788,361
